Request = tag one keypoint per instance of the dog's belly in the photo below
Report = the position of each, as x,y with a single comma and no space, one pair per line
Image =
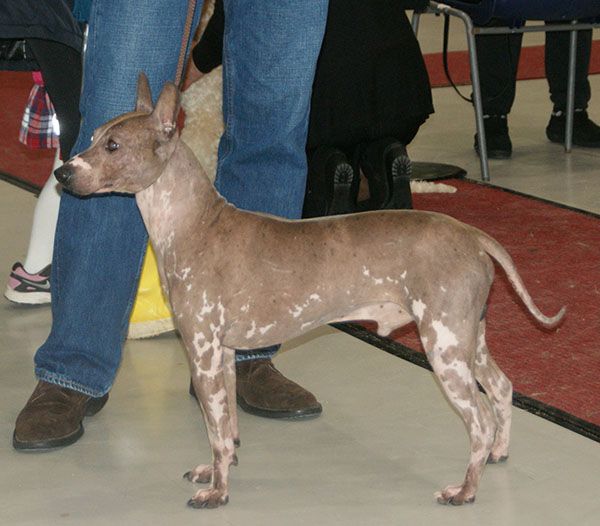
262,332
389,316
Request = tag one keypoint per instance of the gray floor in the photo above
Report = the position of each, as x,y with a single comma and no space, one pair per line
387,440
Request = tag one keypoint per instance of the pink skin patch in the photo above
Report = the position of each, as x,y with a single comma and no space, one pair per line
79,163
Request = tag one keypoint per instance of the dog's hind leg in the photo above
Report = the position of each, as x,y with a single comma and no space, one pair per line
209,382
499,390
230,388
451,355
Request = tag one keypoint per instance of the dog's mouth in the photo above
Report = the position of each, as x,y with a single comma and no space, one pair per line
105,189
86,190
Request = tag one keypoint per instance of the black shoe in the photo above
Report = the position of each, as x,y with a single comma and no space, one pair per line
387,168
585,132
331,186
496,137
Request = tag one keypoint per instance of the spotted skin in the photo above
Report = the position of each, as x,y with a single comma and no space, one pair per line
241,280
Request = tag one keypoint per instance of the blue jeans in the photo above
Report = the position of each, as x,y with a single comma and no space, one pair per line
271,49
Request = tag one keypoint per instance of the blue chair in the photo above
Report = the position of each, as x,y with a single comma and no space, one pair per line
576,15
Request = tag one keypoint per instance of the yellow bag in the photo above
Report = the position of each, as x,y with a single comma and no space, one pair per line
151,314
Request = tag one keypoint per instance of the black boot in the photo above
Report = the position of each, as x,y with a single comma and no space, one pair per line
387,168
331,185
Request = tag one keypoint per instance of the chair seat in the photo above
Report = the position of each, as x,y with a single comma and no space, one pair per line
515,12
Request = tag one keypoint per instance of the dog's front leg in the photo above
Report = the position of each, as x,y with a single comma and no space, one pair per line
209,368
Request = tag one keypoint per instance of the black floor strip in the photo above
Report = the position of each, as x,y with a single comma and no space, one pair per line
535,198
548,412
21,183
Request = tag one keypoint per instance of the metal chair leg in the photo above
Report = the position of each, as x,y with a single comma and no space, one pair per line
571,89
416,17
447,10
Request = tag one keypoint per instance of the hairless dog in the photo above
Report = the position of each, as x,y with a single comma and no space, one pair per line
242,280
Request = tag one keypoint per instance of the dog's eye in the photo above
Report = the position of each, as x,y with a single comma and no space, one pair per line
112,146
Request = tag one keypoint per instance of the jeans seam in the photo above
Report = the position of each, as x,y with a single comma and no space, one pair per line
134,288
69,384
228,91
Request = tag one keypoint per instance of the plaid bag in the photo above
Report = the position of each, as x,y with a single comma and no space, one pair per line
39,127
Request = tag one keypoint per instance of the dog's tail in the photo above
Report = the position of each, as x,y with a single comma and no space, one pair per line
497,251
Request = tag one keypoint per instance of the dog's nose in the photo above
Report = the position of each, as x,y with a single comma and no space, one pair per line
63,174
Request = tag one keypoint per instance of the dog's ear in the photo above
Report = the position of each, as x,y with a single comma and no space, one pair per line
167,108
144,95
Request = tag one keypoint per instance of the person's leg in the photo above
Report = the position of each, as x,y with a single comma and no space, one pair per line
269,60
61,68
557,68
29,282
585,131
41,239
100,241
498,60
270,56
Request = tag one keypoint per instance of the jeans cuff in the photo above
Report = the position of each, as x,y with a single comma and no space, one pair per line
51,378
242,356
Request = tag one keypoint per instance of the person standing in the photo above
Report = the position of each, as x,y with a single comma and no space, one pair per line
270,53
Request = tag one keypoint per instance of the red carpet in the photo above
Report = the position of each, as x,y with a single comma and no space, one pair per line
31,166
557,253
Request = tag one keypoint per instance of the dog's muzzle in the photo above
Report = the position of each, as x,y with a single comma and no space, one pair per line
64,174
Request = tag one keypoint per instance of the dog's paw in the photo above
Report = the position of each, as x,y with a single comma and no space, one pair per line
454,495
201,475
499,452
494,459
209,498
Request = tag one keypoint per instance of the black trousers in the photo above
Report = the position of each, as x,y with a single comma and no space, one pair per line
370,83
498,59
61,68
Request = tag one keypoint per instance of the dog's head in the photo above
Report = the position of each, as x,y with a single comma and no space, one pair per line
130,152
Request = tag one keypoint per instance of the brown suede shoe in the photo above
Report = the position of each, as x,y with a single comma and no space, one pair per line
52,417
263,391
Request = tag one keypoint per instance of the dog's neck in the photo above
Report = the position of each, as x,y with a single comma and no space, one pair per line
182,197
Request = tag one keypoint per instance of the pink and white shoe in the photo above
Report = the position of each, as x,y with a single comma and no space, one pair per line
29,289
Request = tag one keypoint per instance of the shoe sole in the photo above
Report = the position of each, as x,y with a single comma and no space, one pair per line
495,154
401,194
295,414
558,139
51,443
499,154
27,298
90,408
341,203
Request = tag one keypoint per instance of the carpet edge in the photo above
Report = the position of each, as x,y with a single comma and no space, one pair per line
21,183
533,197
547,412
